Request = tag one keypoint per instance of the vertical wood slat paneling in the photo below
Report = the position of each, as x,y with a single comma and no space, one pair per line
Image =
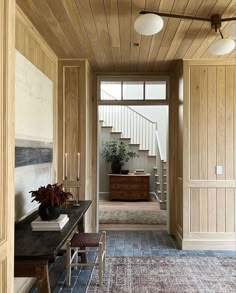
212,141
211,147
194,210
220,124
211,122
230,211
211,212
32,46
219,216
71,105
221,129
203,140
229,120
194,123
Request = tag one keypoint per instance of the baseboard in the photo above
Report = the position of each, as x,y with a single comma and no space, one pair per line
179,239
104,195
204,244
131,227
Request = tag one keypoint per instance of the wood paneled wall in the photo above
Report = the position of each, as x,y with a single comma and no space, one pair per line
209,206
78,130
176,153
30,44
7,138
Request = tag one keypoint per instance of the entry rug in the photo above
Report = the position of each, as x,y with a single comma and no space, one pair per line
133,217
166,274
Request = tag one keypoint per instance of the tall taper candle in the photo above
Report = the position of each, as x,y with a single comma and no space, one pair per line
78,166
65,166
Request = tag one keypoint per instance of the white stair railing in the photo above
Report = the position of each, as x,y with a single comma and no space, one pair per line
130,123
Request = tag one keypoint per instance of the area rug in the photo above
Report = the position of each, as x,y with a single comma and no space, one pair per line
166,274
133,217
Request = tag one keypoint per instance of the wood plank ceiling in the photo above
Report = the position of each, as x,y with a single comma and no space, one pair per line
102,31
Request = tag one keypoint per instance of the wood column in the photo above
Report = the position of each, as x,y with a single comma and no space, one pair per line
7,143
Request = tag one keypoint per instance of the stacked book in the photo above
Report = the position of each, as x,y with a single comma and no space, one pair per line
54,225
139,171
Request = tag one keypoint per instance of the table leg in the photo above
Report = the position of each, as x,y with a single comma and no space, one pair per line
34,268
81,225
81,229
42,277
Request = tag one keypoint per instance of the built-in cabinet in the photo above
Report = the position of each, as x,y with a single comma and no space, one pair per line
77,120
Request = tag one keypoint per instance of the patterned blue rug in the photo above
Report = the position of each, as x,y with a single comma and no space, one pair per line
166,274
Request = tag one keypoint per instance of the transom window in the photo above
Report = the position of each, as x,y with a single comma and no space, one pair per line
133,89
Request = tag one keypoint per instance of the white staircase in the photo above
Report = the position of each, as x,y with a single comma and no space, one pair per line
161,184
144,161
140,133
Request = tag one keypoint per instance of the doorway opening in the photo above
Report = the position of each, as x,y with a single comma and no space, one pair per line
137,200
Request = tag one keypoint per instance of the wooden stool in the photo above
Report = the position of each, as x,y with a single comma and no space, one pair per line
79,243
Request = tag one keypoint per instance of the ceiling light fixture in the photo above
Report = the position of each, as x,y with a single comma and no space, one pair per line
150,23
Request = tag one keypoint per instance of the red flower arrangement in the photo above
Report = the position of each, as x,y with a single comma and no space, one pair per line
51,195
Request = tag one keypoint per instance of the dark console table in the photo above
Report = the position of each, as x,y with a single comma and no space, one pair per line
34,249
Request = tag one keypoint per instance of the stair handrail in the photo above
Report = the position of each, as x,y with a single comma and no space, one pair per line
113,98
123,118
159,145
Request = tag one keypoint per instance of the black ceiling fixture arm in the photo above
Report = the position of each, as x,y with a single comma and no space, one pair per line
228,19
189,16
176,15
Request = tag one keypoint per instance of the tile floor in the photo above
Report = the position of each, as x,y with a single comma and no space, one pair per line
131,243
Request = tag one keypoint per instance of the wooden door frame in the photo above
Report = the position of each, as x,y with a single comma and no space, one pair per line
134,103
7,144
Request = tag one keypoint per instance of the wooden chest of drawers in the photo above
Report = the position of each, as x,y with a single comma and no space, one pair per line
129,187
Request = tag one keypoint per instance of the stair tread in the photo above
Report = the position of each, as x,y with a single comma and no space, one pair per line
152,156
105,126
134,144
143,150
125,138
115,132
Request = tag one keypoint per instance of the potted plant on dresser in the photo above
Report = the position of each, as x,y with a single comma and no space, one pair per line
51,198
116,153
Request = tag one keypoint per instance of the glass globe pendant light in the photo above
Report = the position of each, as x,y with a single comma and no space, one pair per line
148,24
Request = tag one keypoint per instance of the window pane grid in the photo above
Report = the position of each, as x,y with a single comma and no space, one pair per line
133,90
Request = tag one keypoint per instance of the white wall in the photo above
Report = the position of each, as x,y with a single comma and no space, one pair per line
157,114
33,131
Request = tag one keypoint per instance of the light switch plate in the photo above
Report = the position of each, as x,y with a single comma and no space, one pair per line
219,170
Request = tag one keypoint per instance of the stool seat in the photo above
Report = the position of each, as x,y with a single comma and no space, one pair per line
78,244
86,239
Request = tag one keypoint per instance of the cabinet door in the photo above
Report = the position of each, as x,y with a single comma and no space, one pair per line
7,143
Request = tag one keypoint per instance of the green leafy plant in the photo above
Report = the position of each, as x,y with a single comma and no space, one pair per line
51,195
116,151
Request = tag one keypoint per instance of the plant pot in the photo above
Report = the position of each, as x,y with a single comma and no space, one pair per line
48,212
115,168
